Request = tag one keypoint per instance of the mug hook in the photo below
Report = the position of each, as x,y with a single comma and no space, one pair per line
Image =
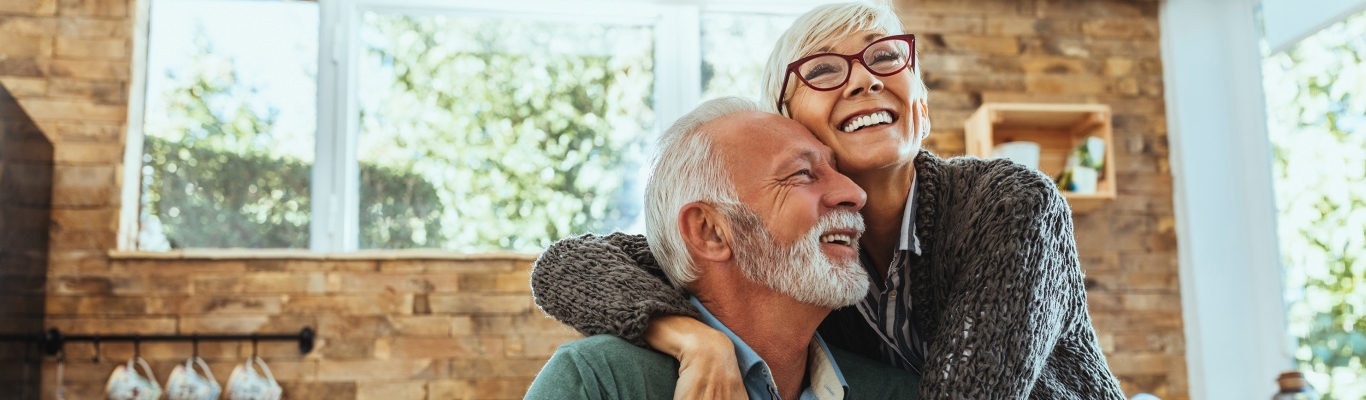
96,359
194,339
253,345
137,346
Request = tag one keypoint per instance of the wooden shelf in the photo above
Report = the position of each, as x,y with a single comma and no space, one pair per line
1057,128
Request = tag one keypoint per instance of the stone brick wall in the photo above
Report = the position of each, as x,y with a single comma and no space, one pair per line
25,195
458,328
68,64
453,328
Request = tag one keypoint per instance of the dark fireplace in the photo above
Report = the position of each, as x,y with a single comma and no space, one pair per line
25,213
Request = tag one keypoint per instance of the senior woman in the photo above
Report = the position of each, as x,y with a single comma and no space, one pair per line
976,282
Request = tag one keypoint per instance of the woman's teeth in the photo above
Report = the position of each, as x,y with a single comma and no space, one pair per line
877,118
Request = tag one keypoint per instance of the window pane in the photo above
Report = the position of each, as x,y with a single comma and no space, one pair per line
1316,119
229,124
734,49
487,134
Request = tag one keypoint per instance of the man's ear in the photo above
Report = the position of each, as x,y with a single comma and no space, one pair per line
705,231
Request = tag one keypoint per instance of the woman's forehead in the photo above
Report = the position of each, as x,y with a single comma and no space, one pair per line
868,37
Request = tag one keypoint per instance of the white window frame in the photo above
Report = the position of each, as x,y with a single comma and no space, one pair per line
335,191
130,194
334,223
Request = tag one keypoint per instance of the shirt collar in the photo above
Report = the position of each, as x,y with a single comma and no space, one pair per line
827,382
909,240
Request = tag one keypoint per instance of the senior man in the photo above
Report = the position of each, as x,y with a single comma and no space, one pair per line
747,214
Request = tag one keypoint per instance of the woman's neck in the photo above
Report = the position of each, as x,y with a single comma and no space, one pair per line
887,190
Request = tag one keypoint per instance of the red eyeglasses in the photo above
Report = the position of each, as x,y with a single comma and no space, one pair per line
830,71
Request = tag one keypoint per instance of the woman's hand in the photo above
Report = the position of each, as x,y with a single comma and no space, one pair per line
707,366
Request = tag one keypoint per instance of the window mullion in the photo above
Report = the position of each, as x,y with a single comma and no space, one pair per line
335,215
678,65
130,210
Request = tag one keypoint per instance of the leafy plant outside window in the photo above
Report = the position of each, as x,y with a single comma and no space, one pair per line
1316,106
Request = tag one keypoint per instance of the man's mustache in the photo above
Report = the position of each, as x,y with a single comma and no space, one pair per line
838,220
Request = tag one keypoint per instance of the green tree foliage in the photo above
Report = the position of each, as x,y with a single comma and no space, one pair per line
1316,95
486,135
735,47
400,205
212,179
206,198
208,174
224,199
530,131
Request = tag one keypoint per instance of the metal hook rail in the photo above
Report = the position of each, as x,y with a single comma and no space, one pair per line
53,340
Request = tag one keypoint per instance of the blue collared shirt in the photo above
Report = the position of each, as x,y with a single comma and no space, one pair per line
826,380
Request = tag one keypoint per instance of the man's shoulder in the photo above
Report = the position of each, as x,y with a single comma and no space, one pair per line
870,379
605,367
608,346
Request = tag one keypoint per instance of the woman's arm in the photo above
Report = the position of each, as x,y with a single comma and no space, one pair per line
612,285
605,285
1011,299
707,366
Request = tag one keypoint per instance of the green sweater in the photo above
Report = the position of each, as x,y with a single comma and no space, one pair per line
606,367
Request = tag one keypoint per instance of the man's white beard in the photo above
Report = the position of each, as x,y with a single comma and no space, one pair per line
801,270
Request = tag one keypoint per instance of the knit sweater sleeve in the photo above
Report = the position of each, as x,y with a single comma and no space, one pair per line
605,285
1016,281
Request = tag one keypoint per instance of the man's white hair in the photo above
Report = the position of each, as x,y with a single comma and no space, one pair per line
686,169
821,27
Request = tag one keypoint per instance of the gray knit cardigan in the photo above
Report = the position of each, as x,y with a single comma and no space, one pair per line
997,290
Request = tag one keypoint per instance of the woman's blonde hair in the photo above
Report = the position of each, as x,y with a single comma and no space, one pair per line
822,27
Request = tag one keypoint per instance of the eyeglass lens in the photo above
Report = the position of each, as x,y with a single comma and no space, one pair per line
831,71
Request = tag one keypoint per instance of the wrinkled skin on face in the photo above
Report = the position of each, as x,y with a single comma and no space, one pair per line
788,179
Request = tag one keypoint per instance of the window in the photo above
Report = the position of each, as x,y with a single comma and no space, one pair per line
228,132
486,134
735,47
1317,124
455,125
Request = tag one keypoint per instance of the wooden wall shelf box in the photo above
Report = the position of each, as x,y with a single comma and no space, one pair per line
1057,128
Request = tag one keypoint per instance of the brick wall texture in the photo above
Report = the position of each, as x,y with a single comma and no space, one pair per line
392,329
466,328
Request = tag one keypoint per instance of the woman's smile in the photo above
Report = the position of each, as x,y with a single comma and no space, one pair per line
871,121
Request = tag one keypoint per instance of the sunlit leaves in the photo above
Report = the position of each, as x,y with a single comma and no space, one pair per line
1316,102
476,135
529,131
735,47
213,177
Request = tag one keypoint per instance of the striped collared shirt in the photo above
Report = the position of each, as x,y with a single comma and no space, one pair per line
887,307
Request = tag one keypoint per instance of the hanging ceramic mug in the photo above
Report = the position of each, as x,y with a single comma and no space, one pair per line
187,384
246,384
126,384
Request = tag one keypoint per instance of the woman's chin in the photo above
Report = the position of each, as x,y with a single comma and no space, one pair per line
859,160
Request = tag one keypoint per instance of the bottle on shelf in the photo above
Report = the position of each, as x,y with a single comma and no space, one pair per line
1294,387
